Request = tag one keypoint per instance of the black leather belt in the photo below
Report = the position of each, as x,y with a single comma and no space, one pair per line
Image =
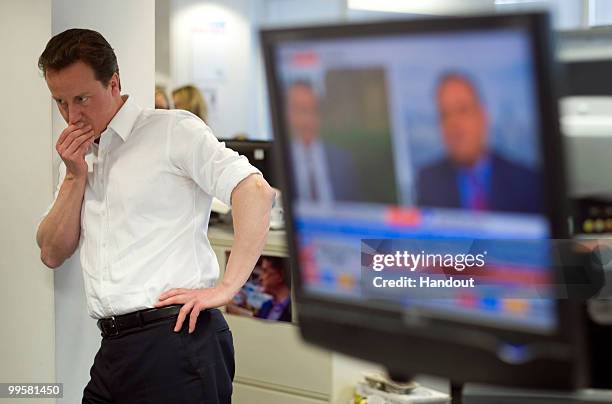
116,325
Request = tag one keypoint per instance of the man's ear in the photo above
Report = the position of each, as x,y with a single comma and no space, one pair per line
115,83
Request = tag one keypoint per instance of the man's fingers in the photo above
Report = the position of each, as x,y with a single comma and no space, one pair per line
178,299
83,148
70,137
193,318
77,149
69,145
173,292
182,314
78,142
68,130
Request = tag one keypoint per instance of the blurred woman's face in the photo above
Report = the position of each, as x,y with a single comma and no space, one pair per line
160,102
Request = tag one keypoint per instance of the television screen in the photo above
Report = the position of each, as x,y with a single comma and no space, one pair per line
425,138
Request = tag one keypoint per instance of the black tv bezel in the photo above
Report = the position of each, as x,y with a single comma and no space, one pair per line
315,309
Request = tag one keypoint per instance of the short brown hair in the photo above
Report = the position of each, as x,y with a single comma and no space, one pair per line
85,45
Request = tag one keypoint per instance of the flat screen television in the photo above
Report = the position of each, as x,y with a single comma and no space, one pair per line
420,135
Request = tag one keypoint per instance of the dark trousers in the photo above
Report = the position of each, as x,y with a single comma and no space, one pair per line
156,365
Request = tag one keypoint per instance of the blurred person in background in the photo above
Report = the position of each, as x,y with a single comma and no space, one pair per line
190,99
324,172
275,283
161,98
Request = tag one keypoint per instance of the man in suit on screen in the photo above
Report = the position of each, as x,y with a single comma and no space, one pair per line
473,176
324,172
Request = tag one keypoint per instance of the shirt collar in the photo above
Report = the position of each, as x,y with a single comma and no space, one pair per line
314,147
125,118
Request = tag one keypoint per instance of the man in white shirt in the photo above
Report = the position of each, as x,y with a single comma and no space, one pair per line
135,192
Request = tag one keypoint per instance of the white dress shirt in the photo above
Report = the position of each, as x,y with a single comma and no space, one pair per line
144,216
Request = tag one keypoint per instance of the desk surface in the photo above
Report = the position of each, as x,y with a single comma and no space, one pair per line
222,235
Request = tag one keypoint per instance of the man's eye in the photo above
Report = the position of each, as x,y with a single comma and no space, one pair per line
83,99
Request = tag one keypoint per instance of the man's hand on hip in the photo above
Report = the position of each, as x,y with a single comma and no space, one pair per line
194,301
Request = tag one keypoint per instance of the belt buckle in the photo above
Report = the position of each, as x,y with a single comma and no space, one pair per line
113,330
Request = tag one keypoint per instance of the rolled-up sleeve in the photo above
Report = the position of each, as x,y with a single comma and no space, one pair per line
195,151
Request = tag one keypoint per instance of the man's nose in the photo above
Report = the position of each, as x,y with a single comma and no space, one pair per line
74,113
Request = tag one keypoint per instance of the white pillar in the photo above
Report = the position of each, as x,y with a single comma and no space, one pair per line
26,298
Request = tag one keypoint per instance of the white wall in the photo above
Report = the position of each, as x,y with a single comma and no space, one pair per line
129,27
26,294
162,43
233,50
298,12
212,49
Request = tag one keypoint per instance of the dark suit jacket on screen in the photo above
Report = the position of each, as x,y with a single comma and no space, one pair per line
514,188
